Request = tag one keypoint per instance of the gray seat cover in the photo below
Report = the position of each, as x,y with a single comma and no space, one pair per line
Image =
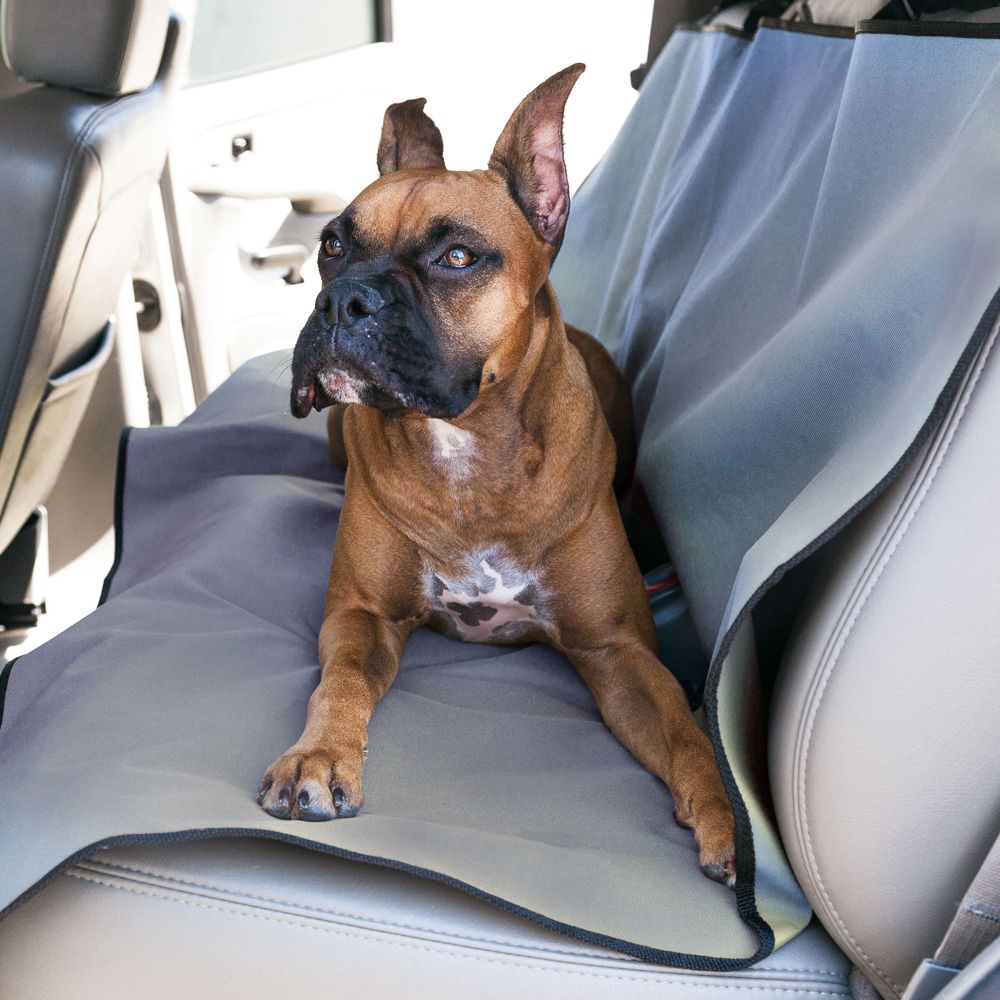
792,257
487,764
798,258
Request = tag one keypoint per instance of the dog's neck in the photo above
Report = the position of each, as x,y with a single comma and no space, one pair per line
507,417
495,471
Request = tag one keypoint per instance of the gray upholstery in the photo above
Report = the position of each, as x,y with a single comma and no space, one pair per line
106,47
488,765
720,287
884,750
240,919
76,172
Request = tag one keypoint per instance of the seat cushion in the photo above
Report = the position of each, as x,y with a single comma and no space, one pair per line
245,918
887,792
489,766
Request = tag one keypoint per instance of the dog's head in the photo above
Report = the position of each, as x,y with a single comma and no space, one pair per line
430,275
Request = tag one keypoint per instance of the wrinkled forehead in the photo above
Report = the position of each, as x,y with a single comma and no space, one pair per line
408,208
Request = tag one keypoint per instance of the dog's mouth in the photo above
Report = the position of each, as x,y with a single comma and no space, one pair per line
305,399
386,366
325,389
338,385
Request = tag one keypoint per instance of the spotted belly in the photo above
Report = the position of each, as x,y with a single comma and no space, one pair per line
490,601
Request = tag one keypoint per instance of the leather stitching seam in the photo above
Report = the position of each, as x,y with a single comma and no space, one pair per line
239,895
898,531
479,958
25,343
33,316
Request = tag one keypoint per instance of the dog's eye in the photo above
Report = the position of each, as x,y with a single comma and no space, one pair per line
333,247
457,257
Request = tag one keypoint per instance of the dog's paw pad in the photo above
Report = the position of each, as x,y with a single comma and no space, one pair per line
312,802
344,807
276,799
265,787
312,786
724,872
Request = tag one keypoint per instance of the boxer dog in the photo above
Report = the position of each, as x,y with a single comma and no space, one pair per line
479,462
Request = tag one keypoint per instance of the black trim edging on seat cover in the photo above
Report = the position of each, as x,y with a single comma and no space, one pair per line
807,27
941,29
873,26
4,681
119,506
745,861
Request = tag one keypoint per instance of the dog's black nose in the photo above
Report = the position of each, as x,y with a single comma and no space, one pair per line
346,301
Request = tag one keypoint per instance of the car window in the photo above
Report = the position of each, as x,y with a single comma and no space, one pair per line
265,34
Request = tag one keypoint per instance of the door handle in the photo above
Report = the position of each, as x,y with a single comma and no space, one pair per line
288,258
253,182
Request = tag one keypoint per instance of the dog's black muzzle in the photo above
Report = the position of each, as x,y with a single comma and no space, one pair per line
368,342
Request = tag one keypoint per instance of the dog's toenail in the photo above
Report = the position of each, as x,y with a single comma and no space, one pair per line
338,798
283,797
303,799
724,873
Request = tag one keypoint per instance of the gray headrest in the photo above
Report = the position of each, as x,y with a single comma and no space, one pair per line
108,47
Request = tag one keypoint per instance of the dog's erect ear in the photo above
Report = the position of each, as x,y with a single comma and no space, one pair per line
529,155
410,140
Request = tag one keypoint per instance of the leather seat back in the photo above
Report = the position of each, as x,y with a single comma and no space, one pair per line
79,157
884,756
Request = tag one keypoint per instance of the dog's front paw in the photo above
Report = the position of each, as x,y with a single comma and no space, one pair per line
312,785
710,818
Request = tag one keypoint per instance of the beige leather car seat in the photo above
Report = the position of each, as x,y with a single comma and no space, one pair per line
884,751
79,157
883,758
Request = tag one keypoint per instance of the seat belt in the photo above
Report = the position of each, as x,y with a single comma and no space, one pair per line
975,926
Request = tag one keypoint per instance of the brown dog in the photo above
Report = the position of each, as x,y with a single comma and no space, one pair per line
479,493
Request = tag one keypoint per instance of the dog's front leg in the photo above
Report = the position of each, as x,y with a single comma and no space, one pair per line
606,629
645,707
372,606
320,776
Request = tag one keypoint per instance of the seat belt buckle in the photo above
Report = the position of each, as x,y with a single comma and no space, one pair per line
930,978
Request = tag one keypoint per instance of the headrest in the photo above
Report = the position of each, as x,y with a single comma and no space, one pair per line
107,47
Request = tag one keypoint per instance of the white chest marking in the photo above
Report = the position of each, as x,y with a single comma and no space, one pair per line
483,607
451,444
